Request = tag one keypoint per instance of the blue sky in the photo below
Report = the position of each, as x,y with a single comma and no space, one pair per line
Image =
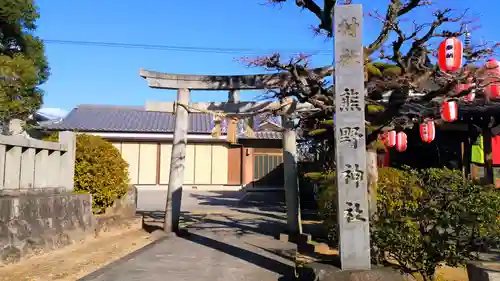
103,75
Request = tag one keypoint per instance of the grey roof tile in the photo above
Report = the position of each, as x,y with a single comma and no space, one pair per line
98,118
116,119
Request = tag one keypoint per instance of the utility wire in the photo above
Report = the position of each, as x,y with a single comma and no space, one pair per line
239,51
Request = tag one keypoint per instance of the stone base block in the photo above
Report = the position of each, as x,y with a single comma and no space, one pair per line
325,272
299,239
126,206
483,271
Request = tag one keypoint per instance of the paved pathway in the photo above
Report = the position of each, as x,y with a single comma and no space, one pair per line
227,241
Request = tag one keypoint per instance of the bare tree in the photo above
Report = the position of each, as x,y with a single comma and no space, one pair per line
404,67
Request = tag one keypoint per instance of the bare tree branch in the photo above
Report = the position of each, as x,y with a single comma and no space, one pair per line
402,67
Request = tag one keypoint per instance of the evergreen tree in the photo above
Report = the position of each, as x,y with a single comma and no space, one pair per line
23,65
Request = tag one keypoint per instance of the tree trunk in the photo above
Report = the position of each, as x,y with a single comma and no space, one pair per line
372,178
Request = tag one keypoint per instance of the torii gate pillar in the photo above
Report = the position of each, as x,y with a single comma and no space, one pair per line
177,162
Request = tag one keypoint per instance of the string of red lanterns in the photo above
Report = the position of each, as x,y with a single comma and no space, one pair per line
397,140
450,56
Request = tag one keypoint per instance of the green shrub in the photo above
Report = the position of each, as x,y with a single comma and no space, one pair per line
99,170
327,202
424,218
396,190
429,217
373,70
392,71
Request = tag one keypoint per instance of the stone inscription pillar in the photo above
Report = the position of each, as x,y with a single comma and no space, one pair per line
350,144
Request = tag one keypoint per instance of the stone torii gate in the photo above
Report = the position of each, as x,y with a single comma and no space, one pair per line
233,84
350,148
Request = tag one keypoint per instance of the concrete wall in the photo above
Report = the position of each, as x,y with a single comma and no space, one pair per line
36,221
149,163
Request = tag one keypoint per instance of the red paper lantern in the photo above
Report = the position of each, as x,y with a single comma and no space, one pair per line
401,142
390,138
449,111
492,67
463,87
492,80
427,131
493,90
450,55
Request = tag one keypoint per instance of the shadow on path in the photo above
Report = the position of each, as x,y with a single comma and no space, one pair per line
240,226
238,199
288,254
280,216
261,261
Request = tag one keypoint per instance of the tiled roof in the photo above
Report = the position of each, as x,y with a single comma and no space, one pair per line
95,118
123,119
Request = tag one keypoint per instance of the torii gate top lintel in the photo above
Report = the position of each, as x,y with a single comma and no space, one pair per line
210,82
217,82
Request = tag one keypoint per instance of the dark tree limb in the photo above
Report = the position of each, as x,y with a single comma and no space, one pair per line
409,59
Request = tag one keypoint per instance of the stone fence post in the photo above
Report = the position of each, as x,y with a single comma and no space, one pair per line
67,167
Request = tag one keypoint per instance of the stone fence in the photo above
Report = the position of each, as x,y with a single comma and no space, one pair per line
38,209
35,164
